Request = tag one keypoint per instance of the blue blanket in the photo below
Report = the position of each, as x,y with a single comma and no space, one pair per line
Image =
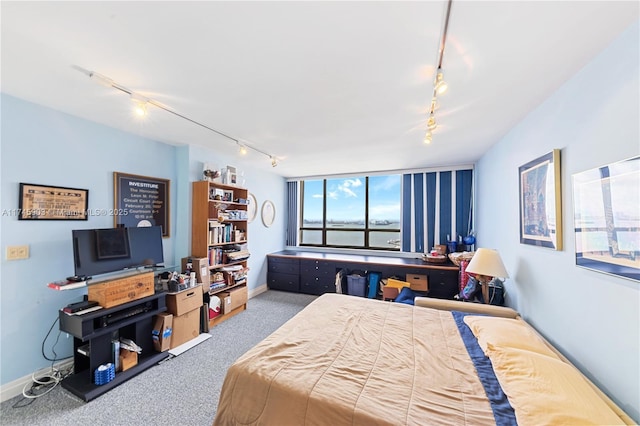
502,410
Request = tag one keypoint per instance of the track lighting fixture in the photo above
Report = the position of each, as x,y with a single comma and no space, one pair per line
141,109
428,138
143,102
439,85
431,122
101,79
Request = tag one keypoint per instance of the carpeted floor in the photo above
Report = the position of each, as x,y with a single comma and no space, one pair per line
182,390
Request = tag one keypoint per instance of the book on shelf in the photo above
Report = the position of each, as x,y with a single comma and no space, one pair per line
66,284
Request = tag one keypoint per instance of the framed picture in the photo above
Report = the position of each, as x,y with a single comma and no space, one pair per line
606,217
42,202
268,213
227,195
540,202
252,207
141,201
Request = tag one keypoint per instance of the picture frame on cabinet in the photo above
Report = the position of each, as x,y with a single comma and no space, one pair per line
540,202
227,195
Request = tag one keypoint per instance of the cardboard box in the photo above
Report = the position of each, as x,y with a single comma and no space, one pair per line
232,299
185,327
162,331
199,265
393,283
418,282
116,292
128,359
184,301
389,293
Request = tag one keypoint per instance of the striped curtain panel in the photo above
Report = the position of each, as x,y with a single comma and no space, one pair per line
292,214
435,205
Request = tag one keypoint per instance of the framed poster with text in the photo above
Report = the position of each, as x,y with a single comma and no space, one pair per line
41,202
143,201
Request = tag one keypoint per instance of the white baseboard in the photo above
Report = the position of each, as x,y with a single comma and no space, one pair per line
258,290
13,389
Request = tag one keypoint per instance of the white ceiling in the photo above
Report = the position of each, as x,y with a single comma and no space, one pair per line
326,87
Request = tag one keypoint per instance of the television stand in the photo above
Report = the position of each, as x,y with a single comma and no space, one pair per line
133,320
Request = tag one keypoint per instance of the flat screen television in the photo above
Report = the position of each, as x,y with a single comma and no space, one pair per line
100,251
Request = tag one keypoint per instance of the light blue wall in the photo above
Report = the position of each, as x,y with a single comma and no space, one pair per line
44,146
593,318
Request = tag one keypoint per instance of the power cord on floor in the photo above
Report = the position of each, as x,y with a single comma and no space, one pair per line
44,383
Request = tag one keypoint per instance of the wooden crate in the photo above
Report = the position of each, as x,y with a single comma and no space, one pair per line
122,290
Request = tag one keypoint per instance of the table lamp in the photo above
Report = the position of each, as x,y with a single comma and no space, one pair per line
485,265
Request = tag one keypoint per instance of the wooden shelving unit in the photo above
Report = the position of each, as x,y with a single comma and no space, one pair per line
219,227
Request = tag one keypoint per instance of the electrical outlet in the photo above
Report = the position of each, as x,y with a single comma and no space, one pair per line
17,252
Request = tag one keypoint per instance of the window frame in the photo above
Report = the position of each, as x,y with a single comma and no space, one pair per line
367,230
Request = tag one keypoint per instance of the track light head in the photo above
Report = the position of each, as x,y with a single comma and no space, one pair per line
141,109
141,104
428,138
441,86
274,162
431,122
242,150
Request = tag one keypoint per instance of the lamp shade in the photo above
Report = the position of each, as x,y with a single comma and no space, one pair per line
487,262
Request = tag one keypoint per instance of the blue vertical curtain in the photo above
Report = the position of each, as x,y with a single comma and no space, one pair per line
435,206
292,213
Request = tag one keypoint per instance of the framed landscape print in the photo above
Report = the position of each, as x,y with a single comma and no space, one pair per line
540,202
606,217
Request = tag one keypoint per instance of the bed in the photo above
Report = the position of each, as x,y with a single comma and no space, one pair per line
345,360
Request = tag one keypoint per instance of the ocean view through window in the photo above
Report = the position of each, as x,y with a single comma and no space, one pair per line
353,212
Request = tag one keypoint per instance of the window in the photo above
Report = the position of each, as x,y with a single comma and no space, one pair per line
353,212
411,212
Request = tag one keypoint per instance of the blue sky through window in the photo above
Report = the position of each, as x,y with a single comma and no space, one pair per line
346,199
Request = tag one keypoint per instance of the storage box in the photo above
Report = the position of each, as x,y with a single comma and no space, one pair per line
391,282
356,285
389,293
232,299
128,359
418,282
162,330
199,265
184,301
185,327
116,292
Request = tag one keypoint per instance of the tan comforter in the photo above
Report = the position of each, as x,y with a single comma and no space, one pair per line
346,360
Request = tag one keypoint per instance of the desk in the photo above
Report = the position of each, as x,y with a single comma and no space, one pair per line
314,272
